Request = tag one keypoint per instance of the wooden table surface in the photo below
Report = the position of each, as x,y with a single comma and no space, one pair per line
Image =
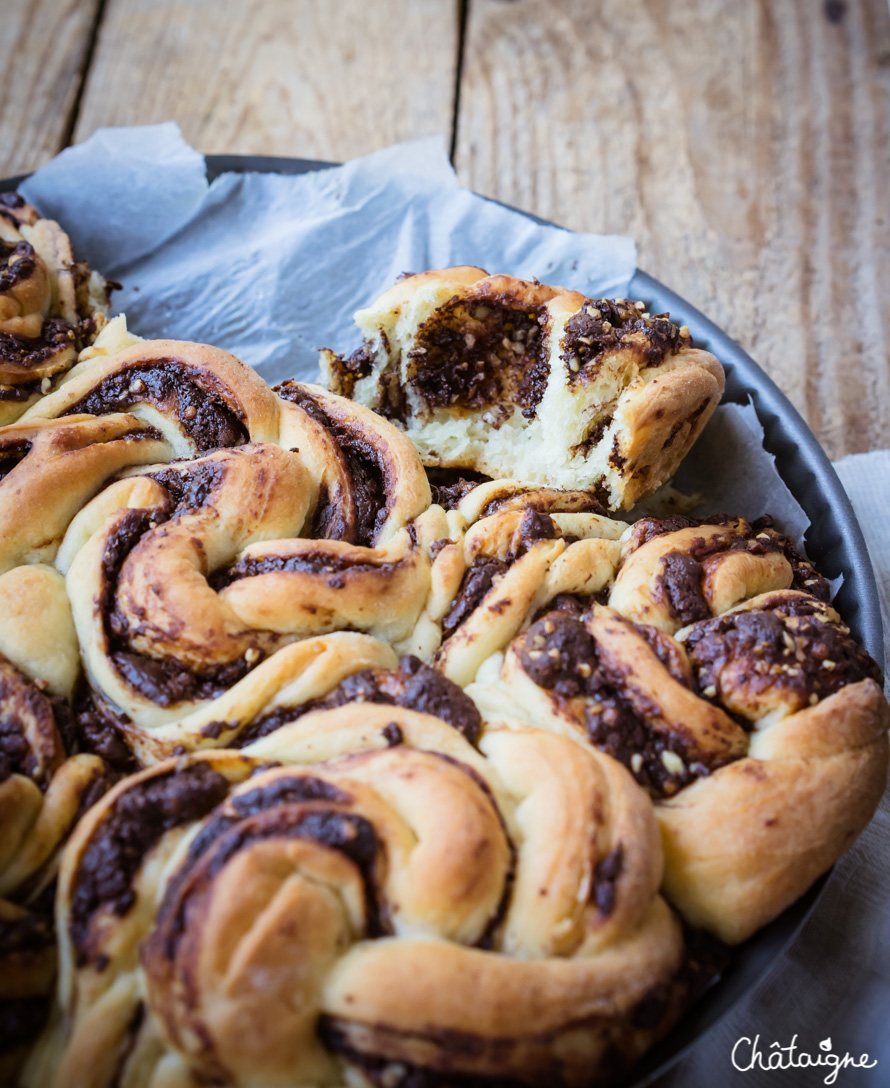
744,144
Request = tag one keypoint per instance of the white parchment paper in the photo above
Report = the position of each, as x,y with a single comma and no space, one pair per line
272,266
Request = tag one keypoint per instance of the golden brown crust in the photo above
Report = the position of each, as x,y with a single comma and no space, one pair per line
742,845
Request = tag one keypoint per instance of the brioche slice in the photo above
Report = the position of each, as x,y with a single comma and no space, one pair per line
518,379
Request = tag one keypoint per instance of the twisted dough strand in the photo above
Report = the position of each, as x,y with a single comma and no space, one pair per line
287,894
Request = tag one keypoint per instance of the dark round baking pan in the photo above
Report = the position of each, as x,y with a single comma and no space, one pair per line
834,541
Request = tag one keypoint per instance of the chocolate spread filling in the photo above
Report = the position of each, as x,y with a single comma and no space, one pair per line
18,260
602,324
352,368
559,654
98,729
208,420
137,820
477,581
413,686
806,577
772,653
190,489
160,679
25,709
337,1036
480,576
56,336
533,526
570,603
758,538
19,393
680,585
605,875
290,808
25,941
481,353
303,562
680,581
547,504
289,790
449,486
167,683
364,467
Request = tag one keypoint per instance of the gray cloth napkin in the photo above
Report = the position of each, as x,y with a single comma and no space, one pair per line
833,983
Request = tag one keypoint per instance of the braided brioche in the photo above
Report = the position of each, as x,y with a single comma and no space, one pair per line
518,379
51,306
750,813
293,924
426,777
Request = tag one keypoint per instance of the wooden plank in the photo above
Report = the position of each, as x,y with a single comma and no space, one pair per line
744,146
327,79
43,51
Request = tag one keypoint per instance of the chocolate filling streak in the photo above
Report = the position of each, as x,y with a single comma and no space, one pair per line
759,538
22,707
680,587
413,686
679,584
605,875
482,572
365,468
205,416
159,679
546,505
281,815
304,562
22,392
571,604
705,958
190,490
600,326
559,654
20,261
99,730
135,823
289,790
25,943
392,1073
479,354
773,654
449,486
477,581
806,577
30,351
352,368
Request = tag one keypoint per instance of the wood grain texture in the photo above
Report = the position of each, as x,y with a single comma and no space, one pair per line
327,79
43,51
745,146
